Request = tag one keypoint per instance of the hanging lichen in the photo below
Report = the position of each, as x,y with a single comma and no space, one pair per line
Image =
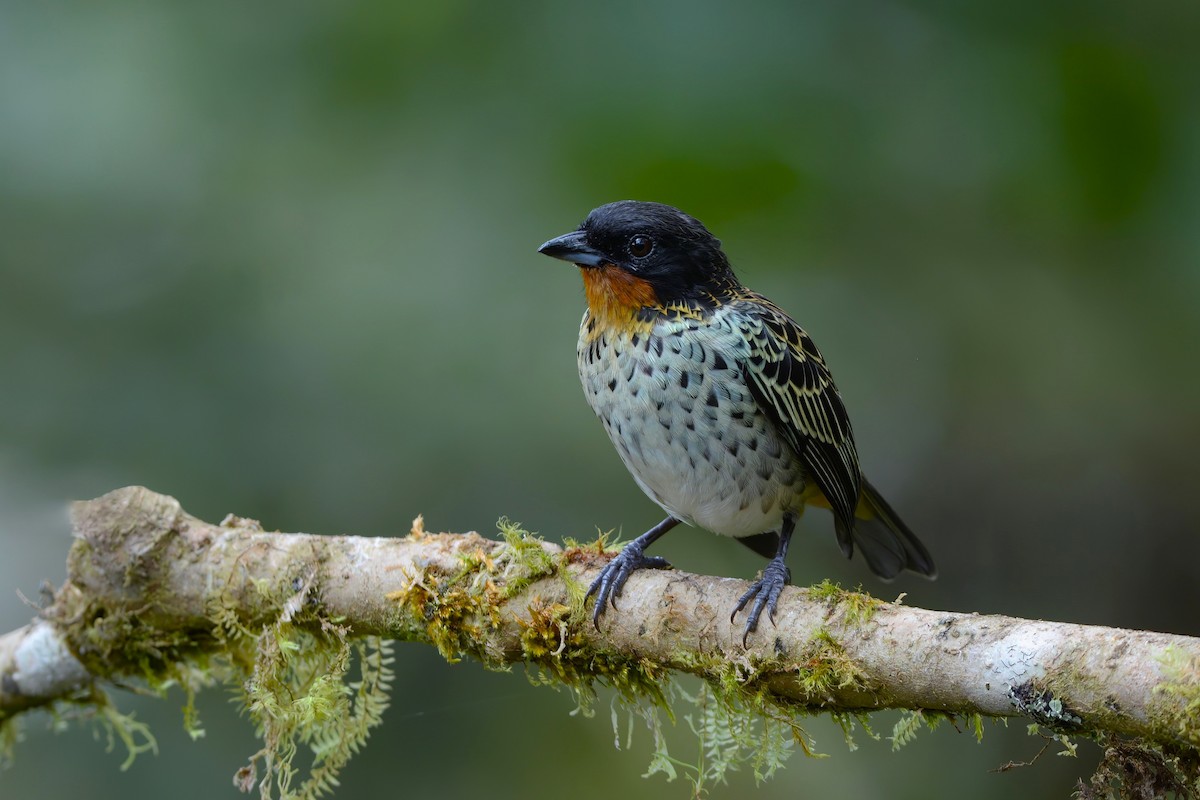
293,678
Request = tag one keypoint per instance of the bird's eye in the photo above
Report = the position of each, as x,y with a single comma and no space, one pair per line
640,246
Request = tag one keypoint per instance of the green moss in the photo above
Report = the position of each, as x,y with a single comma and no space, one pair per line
825,666
553,645
735,726
134,736
857,607
906,728
449,611
298,695
1179,711
1083,692
848,721
559,656
605,542
294,686
525,556
911,721
289,662
738,722
455,610
459,609
976,723
739,729
120,642
10,735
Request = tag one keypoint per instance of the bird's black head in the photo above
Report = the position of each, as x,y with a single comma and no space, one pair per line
656,243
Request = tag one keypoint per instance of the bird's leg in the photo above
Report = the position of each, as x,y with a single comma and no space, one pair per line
766,590
607,587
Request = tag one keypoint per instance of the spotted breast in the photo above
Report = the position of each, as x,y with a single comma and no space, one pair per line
673,399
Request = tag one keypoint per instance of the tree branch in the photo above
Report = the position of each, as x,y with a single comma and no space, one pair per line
145,579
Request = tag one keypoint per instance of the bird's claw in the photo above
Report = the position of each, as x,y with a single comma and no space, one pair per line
611,581
765,592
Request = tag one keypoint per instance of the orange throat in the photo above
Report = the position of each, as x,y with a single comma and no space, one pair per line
615,297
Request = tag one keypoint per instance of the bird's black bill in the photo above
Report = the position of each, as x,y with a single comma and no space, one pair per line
573,247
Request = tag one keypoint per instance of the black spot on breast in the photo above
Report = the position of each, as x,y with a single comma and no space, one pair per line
719,362
633,340
657,343
612,385
712,400
647,368
684,377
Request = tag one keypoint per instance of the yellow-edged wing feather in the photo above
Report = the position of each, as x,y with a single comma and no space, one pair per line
793,387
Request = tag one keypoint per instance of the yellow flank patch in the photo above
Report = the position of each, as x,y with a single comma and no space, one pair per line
814,497
615,296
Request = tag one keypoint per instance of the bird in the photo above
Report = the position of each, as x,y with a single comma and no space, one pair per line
718,403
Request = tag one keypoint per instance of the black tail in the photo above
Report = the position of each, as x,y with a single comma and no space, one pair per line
886,542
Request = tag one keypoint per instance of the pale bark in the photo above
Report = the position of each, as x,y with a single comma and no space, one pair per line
138,557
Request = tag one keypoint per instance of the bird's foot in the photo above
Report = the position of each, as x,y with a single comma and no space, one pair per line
607,587
765,592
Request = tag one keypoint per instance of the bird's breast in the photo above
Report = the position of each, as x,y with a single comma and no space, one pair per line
675,403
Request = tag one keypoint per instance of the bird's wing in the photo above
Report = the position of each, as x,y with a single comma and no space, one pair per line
793,387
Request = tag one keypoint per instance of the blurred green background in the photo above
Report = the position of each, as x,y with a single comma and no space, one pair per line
279,260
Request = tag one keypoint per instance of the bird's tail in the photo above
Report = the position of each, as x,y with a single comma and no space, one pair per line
886,542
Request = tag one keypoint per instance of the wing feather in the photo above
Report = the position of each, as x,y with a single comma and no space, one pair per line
793,387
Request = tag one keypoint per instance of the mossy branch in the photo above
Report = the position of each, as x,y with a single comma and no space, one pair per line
151,588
